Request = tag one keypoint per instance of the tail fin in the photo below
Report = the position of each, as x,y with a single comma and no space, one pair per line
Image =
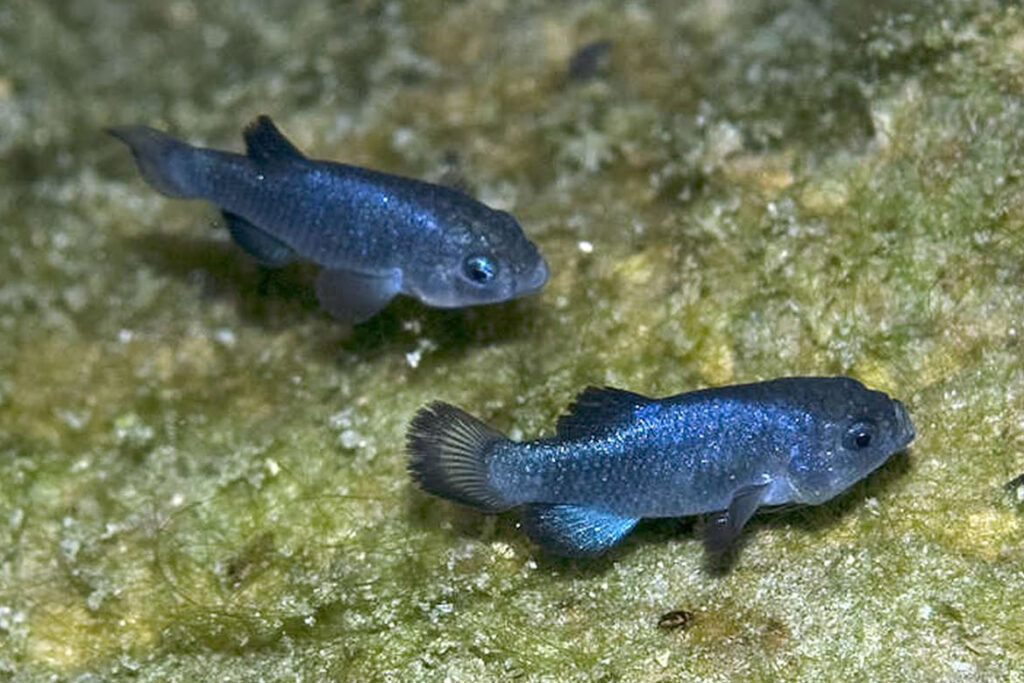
165,162
448,455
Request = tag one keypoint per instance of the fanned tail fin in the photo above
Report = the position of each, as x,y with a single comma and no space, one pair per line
167,163
449,450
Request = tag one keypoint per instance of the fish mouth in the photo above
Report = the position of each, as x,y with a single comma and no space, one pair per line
535,280
904,426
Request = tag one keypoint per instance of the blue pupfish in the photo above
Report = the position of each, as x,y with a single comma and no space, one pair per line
618,456
375,235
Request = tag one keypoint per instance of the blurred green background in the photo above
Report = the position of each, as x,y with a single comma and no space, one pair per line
202,476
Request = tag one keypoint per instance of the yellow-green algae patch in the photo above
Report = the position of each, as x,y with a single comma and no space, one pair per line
202,477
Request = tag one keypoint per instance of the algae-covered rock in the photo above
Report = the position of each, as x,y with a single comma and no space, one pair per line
202,476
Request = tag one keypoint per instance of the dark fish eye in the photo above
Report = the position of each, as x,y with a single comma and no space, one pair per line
479,269
859,435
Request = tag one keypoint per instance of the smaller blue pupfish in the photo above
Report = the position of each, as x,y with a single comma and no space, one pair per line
374,234
618,457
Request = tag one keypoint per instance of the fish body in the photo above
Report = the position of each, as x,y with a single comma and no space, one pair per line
374,234
618,457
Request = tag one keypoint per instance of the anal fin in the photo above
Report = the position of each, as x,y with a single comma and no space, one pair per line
268,250
353,297
574,531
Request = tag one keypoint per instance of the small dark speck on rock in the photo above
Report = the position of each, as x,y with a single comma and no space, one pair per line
590,60
675,620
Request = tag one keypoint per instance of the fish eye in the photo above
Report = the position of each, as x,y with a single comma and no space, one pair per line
859,435
479,269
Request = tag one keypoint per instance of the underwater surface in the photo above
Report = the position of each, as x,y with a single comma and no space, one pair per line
203,476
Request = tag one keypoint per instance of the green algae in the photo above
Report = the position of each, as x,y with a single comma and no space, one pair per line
203,476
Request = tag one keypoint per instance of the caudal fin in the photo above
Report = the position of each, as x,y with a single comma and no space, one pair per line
167,163
449,450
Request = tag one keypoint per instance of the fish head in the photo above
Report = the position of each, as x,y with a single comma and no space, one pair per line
851,431
481,256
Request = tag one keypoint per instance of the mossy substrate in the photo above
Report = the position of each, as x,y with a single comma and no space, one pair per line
202,476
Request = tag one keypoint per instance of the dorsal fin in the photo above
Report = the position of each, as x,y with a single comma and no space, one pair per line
596,409
264,142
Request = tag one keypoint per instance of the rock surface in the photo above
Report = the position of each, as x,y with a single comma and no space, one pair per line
202,477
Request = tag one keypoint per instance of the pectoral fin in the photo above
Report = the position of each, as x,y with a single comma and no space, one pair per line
574,531
354,297
723,527
268,250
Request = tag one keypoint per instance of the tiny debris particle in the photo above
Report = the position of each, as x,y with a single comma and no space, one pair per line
225,337
341,420
350,439
423,346
962,667
16,518
130,429
676,619
503,550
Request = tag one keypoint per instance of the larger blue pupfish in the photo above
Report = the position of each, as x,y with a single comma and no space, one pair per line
618,456
375,234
